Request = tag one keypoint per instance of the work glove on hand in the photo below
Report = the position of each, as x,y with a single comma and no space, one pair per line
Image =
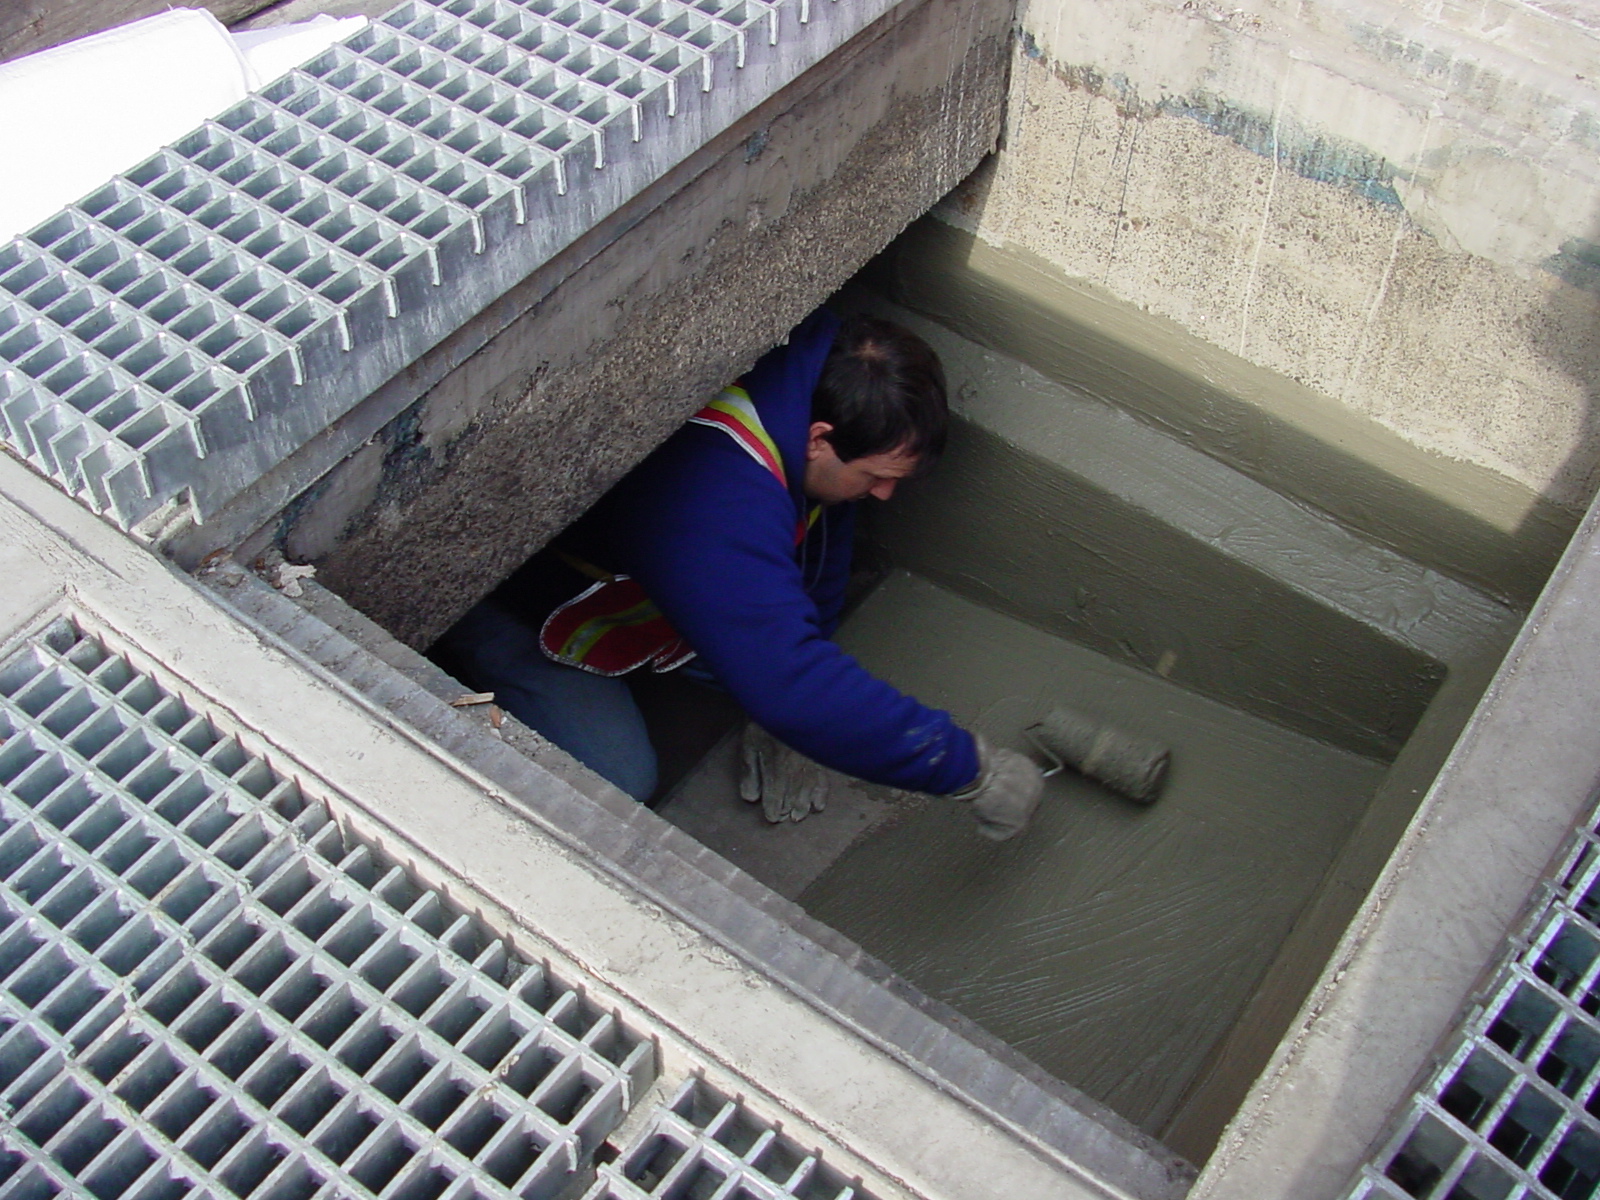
788,784
1005,793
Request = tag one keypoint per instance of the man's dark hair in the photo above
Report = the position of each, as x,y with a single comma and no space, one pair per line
882,389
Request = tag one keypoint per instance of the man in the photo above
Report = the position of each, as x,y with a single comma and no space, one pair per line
728,549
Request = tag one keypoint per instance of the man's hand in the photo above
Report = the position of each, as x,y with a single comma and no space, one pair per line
788,784
1005,793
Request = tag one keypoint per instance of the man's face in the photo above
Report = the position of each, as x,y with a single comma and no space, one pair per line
831,480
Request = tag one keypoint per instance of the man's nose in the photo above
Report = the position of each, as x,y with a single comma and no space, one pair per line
883,489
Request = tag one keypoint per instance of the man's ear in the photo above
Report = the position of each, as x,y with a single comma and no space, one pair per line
817,443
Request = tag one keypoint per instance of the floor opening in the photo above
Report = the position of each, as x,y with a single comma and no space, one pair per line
1056,557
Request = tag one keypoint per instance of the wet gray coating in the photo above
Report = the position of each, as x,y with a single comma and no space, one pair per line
1014,532
1462,520
1113,944
1067,512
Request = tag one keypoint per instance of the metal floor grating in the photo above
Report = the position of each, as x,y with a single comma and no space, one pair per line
208,988
182,329
1513,1112
705,1146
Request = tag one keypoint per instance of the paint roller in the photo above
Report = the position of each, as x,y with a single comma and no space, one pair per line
1132,766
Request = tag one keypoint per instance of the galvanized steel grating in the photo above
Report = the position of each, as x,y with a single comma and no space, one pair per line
178,332
209,988
1514,1109
705,1145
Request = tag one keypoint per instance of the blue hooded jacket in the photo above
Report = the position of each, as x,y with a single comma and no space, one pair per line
710,535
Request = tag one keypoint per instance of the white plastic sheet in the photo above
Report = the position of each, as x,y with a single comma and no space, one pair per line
271,52
73,116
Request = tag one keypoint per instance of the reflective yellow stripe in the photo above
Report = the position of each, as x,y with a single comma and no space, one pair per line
735,404
584,637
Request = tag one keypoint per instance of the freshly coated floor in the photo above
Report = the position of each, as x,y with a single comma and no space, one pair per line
1113,944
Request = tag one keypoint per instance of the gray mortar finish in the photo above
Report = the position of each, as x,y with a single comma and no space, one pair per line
1113,943
786,856
1323,573
616,349
1086,1141
1264,425
1273,1007
1016,533
1217,506
1058,509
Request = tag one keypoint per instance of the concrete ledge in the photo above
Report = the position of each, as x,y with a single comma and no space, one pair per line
1506,800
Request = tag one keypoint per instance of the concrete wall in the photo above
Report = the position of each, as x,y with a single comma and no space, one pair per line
1393,206
529,413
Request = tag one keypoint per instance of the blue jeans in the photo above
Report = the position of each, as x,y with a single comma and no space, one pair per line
591,717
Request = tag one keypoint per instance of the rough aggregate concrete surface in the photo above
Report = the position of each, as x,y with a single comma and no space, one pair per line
1306,209
523,436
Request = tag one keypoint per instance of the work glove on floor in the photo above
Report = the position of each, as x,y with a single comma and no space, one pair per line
1005,793
788,784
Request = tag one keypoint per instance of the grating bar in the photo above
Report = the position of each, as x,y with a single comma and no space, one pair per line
230,916
69,1110
462,182
472,95
1513,1109
208,986
178,332
125,353
708,1145
91,301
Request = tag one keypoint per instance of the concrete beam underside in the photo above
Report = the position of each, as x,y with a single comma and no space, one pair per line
527,414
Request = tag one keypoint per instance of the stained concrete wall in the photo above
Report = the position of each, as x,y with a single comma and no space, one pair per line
1391,205
1461,519
526,415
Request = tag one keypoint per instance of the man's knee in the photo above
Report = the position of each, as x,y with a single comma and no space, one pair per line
636,776
591,717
